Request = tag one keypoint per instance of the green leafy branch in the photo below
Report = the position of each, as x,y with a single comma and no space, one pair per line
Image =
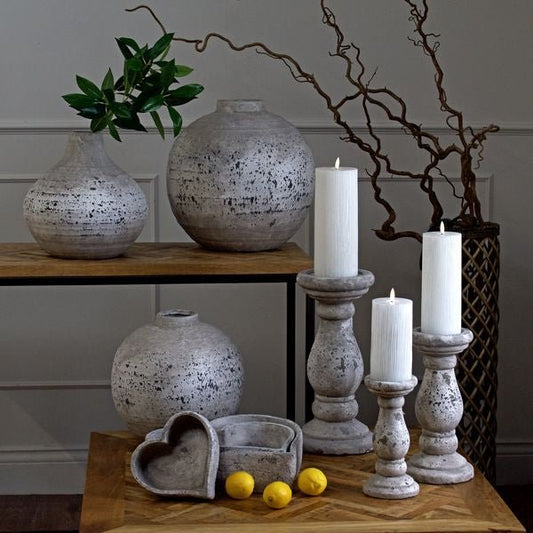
147,85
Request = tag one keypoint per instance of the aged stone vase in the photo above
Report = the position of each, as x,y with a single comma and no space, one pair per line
241,178
85,207
175,364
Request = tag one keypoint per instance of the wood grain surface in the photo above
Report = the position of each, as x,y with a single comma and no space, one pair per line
28,260
114,502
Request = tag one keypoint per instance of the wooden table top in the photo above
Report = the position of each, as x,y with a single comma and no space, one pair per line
19,261
114,502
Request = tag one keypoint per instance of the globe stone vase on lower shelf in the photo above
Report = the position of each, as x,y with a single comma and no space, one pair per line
175,364
240,179
85,207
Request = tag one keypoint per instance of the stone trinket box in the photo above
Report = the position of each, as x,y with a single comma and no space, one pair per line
181,459
268,447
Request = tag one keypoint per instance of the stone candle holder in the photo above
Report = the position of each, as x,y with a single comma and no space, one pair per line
335,366
439,409
391,442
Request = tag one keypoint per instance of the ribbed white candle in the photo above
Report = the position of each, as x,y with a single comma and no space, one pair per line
391,352
441,283
336,225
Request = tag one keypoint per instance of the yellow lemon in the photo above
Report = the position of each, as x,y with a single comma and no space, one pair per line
277,494
239,485
312,481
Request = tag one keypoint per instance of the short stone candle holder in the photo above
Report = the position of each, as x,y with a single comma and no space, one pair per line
335,366
391,442
439,409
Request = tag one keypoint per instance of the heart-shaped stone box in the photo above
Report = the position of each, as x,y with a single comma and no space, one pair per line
182,459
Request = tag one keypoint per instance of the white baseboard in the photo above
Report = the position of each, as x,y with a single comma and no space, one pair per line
42,471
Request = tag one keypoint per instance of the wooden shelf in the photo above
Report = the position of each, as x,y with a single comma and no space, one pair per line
26,263
114,501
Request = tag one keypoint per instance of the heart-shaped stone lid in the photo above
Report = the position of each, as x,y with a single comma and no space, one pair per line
181,459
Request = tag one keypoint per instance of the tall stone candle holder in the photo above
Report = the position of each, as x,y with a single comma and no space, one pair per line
439,408
335,366
391,442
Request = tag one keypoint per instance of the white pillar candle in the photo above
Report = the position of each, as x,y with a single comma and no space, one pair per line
441,282
336,226
391,351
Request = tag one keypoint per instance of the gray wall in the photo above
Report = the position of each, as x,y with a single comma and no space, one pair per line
57,344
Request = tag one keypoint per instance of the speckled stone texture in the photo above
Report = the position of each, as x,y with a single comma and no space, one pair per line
85,207
335,366
241,178
439,408
391,442
268,447
175,364
180,459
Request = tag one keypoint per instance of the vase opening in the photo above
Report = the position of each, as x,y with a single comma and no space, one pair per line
240,106
176,317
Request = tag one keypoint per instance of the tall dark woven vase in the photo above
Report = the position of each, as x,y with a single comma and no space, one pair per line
477,366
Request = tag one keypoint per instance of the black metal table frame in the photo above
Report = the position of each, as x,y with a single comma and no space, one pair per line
184,279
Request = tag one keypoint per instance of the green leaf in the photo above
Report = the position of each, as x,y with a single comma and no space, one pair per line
161,46
126,52
108,82
98,124
152,84
135,63
182,70
95,111
79,101
183,94
144,54
120,110
88,87
177,121
153,103
129,124
113,130
157,122
168,71
109,95
128,42
119,84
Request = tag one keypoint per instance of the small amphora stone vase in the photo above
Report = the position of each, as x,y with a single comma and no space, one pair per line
240,179
85,207
175,364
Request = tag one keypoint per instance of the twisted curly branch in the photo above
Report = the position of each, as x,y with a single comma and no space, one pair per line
469,141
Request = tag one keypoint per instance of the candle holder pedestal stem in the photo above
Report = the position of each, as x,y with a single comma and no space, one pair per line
391,442
335,366
439,409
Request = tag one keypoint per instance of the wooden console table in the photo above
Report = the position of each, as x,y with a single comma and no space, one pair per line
114,502
165,263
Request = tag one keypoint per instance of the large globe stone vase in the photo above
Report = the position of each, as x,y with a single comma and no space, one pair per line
85,207
240,179
175,364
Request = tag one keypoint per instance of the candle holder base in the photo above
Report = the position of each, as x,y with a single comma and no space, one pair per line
391,488
440,469
391,442
439,408
336,438
335,366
